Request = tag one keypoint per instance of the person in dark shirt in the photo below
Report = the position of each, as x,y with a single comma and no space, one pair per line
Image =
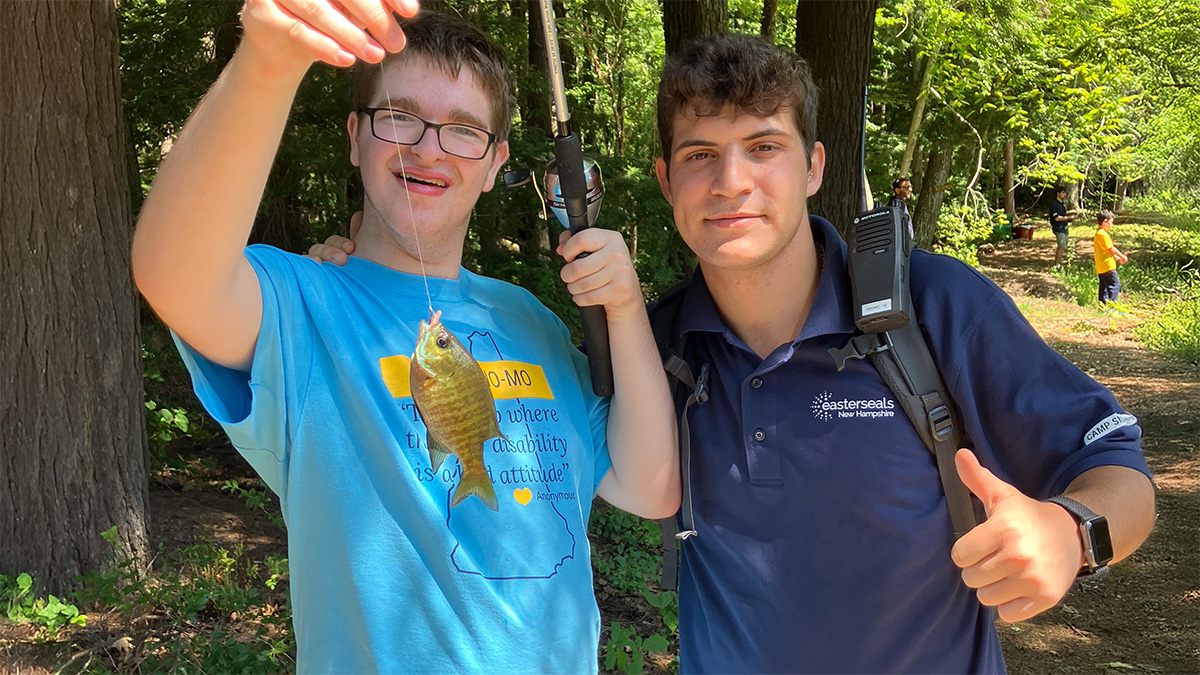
1059,221
901,191
823,540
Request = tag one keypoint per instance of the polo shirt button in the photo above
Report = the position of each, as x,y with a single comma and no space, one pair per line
756,382
759,434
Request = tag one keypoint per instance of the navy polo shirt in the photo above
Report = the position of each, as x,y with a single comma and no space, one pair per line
1057,209
824,539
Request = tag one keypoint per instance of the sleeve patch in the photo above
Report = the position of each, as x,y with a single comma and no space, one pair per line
1107,426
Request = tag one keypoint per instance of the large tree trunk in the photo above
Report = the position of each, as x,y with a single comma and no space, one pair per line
841,75
1010,195
684,20
73,454
929,202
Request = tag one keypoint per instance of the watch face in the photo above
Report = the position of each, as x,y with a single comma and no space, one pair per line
1102,549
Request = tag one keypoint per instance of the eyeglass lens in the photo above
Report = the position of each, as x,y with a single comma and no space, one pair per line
394,126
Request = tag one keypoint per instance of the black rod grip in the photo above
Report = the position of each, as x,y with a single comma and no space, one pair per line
569,156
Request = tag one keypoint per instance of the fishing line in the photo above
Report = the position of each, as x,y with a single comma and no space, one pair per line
403,178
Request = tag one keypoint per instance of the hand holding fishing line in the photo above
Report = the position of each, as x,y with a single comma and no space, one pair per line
288,36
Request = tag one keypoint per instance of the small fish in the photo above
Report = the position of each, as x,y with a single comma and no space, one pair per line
455,401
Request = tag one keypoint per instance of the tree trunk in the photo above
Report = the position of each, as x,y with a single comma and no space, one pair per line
929,202
535,107
684,20
770,9
1122,188
841,76
1075,195
1010,194
918,113
73,453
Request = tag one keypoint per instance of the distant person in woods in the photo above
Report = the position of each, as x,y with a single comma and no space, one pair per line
1107,257
1059,224
824,543
901,191
306,366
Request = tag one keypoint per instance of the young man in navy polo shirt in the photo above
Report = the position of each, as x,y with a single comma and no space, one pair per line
824,543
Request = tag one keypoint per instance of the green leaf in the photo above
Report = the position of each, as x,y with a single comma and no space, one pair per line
24,582
655,643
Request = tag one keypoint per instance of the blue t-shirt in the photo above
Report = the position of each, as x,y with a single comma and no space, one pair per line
385,576
823,538
1057,209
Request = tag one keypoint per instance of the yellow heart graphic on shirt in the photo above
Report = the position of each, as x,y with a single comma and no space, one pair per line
523,495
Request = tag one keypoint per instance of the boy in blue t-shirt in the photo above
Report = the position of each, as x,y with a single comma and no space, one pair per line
306,366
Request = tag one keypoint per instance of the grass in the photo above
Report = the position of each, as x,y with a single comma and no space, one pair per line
1160,284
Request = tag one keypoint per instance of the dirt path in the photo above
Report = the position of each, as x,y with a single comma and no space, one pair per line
1145,617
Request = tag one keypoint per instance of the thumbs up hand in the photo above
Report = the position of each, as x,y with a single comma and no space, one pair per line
1024,557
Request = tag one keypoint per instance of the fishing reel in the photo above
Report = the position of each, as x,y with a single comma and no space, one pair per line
552,198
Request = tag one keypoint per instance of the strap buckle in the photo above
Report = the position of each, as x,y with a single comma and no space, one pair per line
941,425
861,346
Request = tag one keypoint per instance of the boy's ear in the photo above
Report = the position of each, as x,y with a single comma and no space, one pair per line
816,169
664,181
352,129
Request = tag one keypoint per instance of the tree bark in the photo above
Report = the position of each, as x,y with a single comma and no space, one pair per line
684,20
929,202
841,75
73,453
1010,195
918,114
1122,188
770,10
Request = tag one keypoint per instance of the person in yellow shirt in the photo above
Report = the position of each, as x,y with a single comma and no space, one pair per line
1107,257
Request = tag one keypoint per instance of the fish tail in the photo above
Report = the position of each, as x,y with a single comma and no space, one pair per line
477,484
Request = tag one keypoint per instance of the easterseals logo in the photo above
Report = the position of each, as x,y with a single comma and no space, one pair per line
826,406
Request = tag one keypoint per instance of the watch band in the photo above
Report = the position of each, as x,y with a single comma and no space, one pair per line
1093,531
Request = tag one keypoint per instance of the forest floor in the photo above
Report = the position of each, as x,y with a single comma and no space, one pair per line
1143,618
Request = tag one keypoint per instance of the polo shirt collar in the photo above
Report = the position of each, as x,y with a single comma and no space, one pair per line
831,311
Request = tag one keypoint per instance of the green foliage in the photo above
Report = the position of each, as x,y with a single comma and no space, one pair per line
961,231
625,650
214,609
257,499
49,614
1175,332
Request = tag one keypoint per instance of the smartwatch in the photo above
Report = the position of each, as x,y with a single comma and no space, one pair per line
1093,530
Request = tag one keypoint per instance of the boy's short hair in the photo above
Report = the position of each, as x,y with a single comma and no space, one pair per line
1059,188
900,181
451,43
744,71
1104,215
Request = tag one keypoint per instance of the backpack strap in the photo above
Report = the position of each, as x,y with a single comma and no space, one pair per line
665,315
906,365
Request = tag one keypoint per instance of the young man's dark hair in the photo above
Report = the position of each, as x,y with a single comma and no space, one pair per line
738,70
451,43
1104,215
900,181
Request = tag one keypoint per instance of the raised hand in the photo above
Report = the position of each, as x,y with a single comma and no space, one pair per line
604,277
1024,557
287,36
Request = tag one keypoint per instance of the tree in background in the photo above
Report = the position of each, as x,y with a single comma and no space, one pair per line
73,453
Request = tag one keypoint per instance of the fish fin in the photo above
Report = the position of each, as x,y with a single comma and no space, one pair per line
477,484
437,452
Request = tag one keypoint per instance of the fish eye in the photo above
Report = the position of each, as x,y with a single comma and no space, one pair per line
443,342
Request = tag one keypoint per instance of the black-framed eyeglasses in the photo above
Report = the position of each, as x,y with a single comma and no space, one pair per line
397,126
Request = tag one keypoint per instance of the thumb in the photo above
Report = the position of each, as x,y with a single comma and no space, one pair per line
981,482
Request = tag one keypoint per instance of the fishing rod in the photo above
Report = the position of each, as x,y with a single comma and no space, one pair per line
574,190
